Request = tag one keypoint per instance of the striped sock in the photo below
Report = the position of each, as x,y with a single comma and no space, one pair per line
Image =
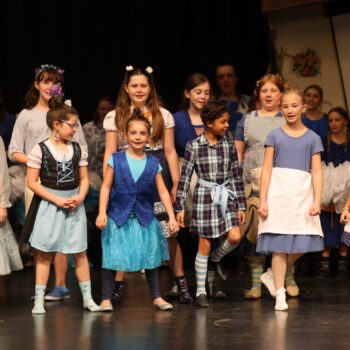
256,269
201,266
222,250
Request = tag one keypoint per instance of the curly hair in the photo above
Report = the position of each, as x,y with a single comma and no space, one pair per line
212,111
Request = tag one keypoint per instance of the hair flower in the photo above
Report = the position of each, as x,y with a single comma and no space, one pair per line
45,67
56,90
149,70
68,103
129,68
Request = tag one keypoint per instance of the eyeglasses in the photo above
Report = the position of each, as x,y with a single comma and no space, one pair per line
72,126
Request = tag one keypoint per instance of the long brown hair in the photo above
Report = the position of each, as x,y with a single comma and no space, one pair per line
122,111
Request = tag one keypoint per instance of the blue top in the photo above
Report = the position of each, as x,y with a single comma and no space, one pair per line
335,152
128,195
184,131
320,127
293,152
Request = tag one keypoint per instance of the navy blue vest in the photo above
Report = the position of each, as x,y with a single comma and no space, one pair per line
126,194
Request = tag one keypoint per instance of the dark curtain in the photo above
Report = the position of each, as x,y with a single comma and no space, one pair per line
94,41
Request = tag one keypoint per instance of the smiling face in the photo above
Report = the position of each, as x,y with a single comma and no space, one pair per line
312,99
219,126
336,122
292,107
269,96
198,96
138,89
137,135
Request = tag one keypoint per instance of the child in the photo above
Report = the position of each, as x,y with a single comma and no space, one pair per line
57,174
249,139
218,200
138,90
336,157
290,195
10,258
132,238
30,129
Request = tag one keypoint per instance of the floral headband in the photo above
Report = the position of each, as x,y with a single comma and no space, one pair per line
45,67
148,69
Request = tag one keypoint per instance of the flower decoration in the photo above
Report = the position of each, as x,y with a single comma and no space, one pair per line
149,70
129,68
45,67
56,90
306,63
68,103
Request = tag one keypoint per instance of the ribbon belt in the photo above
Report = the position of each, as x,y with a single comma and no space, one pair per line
219,194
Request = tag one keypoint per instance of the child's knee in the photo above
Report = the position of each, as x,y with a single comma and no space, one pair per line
234,236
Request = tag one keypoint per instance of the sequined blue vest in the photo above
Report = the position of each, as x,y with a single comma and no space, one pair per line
127,195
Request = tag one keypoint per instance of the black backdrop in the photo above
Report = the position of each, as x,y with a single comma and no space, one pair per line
94,41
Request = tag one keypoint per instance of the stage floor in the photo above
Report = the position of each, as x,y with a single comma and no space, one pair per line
318,319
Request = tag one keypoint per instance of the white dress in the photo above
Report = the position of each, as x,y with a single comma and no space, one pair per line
10,259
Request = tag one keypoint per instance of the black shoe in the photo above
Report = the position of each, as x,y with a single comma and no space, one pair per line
202,300
117,292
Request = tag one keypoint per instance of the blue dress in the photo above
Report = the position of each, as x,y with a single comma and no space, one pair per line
288,227
133,246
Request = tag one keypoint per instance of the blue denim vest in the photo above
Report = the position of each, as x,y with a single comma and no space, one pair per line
127,195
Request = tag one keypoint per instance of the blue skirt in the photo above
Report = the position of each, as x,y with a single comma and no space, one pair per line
133,247
269,243
59,230
332,229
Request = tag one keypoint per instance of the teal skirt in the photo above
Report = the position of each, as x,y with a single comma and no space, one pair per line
133,247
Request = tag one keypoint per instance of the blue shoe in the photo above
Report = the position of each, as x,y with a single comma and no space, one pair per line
58,293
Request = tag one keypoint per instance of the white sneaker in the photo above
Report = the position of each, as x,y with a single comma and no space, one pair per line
267,279
38,307
90,305
281,303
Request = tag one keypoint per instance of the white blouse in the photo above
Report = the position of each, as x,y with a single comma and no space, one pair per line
35,156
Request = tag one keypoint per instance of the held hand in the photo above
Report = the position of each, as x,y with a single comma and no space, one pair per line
263,211
74,202
315,209
241,217
101,221
344,216
62,202
180,218
174,226
3,215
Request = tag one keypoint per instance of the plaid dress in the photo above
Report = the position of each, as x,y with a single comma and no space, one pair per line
214,163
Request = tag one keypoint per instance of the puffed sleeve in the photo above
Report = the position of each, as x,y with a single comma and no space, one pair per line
168,118
109,122
4,178
84,157
35,157
80,138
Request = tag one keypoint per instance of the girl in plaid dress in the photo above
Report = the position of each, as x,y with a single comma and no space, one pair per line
218,199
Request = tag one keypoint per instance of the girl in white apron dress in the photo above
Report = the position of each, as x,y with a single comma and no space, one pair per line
290,195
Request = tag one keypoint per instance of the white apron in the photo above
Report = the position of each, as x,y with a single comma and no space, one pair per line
289,198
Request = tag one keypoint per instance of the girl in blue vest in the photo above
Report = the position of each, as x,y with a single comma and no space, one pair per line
132,238
57,174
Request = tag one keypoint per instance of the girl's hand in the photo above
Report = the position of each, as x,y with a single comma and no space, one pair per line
344,216
263,211
74,202
315,209
3,215
101,221
62,202
174,226
180,218
241,217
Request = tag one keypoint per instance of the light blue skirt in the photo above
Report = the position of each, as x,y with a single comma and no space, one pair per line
59,230
269,243
133,247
